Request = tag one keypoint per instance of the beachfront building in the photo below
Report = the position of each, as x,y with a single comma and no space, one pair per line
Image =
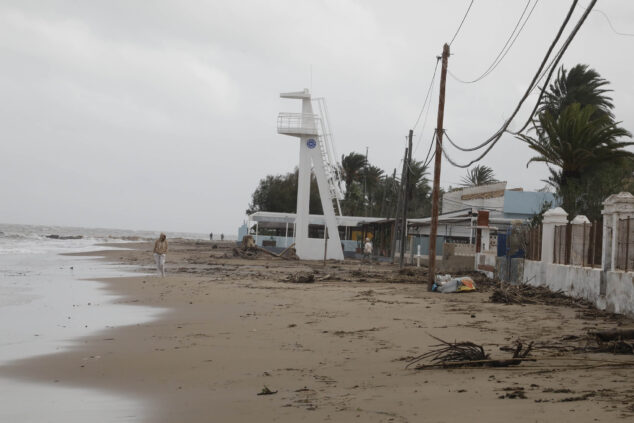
477,215
473,220
277,230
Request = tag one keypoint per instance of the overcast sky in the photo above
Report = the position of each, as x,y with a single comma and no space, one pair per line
161,115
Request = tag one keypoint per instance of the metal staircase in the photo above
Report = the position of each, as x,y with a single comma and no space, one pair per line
328,154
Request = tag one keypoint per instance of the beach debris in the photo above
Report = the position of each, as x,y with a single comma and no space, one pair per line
615,341
301,277
266,391
613,334
513,393
466,354
527,294
447,284
248,242
289,253
413,271
249,250
63,237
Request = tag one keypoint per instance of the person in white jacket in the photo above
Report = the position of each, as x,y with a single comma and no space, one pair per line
367,250
160,249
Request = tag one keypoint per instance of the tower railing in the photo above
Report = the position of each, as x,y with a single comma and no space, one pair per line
298,123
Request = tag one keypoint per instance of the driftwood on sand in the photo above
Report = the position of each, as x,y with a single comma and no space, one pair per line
466,354
506,293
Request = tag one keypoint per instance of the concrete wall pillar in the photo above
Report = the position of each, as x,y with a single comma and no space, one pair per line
485,240
552,218
578,249
615,207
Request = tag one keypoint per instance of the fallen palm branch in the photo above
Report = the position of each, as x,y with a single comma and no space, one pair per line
250,250
266,391
528,294
613,334
615,341
466,354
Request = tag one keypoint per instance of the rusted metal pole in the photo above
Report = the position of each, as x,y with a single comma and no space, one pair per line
556,243
539,243
434,199
618,244
627,244
583,246
593,241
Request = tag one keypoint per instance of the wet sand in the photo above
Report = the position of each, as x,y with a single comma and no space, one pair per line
334,350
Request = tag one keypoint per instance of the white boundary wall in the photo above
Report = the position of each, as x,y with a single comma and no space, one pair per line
619,292
617,296
609,289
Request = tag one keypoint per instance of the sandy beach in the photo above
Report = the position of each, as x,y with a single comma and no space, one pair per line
332,350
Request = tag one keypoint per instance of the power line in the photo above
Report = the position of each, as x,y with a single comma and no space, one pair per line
457,146
463,19
422,131
431,144
554,64
431,83
504,51
496,137
626,34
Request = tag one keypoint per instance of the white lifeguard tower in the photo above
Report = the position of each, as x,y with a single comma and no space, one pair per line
315,152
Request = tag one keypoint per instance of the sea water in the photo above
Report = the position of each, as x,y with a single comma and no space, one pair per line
47,300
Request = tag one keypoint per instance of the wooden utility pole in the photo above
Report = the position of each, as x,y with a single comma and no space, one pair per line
365,185
383,203
405,199
397,214
438,159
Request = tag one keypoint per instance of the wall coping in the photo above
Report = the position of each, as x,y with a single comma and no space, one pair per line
580,220
556,215
623,202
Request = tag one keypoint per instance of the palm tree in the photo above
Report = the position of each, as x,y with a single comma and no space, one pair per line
579,85
577,136
418,192
479,175
371,176
417,178
575,142
351,167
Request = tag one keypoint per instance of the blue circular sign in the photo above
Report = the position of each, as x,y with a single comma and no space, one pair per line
311,143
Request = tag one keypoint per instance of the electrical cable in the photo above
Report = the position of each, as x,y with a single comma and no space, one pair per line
491,141
625,34
554,64
504,51
431,144
460,26
457,146
422,131
560,54
427,96
563,49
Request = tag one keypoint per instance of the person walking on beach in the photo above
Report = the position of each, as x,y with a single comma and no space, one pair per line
160,249
211,236
367,250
